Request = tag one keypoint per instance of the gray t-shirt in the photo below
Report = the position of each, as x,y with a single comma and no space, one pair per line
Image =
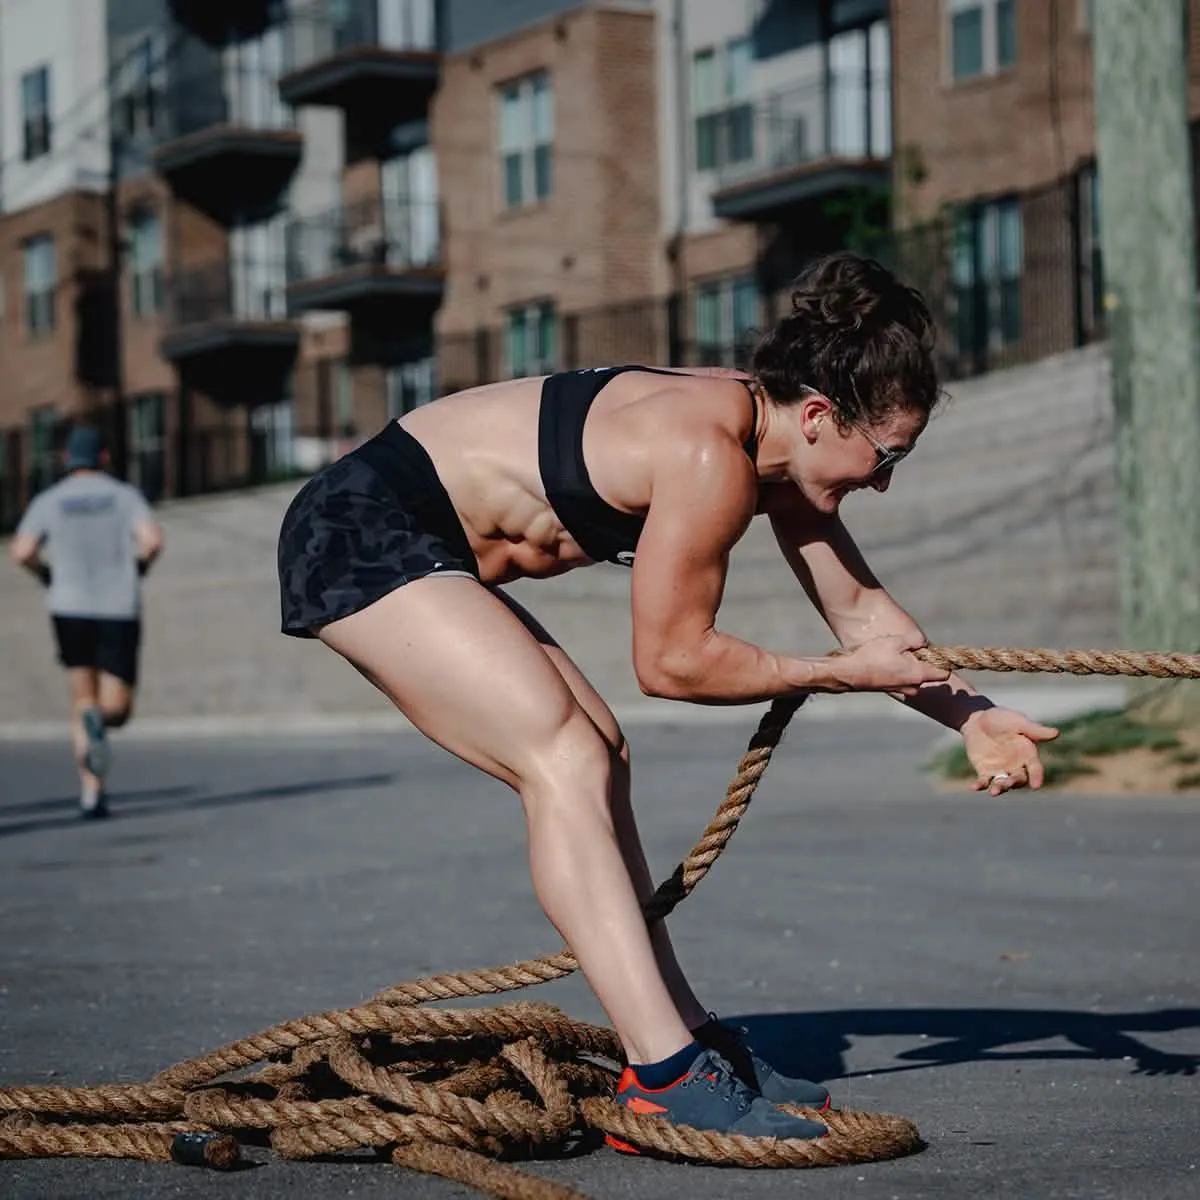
85,526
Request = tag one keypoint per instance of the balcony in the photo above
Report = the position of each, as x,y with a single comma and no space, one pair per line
773,155
227,331
378,260
229,147
377,60
222,21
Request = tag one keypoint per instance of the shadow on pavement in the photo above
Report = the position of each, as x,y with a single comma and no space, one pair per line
152,801
813,1044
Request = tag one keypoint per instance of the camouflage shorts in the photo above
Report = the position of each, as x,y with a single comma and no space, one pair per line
363,526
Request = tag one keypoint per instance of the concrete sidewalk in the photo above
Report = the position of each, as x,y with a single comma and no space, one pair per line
1050,701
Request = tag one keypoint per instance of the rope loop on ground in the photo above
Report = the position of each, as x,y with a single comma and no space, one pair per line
452,1092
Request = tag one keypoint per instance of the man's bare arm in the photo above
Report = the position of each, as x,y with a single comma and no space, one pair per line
149,540
25,551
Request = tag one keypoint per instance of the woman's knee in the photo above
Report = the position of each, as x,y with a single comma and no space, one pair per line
573,763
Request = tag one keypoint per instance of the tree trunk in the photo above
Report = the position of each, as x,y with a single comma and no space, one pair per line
1149,249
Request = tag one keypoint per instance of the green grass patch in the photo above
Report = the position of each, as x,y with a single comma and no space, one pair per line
1189,780
1090,735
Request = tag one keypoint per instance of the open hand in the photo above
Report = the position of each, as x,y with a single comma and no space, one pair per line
1002,746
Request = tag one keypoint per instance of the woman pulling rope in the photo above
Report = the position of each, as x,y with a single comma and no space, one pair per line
393,557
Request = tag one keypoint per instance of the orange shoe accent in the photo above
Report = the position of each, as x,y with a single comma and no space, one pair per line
622,1147
628,1079
640,1105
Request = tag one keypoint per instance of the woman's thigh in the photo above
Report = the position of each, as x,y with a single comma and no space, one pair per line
464,669
586,696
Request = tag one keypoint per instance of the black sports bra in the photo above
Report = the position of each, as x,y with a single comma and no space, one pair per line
604,533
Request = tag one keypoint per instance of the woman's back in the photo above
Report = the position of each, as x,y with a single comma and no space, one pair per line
485,445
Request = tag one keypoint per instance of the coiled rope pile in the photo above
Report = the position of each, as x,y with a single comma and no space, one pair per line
451,1091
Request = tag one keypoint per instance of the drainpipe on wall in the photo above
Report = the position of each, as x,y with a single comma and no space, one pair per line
676,301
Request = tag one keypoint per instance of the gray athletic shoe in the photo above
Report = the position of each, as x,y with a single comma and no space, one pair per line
98,754
93,804
711,1096
729,1041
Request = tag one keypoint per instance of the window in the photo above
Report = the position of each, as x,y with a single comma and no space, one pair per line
43,441
40,282
531,340
726,311
408,187
141,88
983,37
344,399
258,269
986,274
527,139
410,385
146,264
273,440
408,24
35,113
147,444
252,83
722,112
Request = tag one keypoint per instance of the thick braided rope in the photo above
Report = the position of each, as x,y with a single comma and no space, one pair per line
524,1085
1071,662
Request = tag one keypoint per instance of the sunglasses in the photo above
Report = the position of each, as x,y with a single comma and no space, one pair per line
886,457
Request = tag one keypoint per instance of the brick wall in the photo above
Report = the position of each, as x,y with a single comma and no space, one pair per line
1017,130
595,240
41,370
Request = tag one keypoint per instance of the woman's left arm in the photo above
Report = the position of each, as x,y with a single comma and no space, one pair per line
1001,744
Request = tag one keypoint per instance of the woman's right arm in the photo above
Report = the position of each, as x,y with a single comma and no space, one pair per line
704,493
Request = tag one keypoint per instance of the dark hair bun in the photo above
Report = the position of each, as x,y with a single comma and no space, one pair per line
856,334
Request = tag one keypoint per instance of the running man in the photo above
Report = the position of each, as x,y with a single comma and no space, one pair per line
89,538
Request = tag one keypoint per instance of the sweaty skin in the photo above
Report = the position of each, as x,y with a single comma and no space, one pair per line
670,449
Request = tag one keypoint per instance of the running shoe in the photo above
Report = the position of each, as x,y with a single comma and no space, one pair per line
730,1041
709,1095
93,804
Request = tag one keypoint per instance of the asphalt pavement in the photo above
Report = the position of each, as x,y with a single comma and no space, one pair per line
1018,976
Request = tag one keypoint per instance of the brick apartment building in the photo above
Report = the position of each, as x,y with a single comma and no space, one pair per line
330,211
994,126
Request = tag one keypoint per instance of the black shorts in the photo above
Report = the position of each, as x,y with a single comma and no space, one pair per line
363,526
100,642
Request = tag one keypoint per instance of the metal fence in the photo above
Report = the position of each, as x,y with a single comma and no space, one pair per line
374,231
192,462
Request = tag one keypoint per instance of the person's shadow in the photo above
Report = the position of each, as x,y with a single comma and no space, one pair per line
62,812
813,1044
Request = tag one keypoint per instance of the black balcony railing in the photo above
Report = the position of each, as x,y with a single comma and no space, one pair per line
225,142
232,290
228,94
376,60
841,115
396,235
332,27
